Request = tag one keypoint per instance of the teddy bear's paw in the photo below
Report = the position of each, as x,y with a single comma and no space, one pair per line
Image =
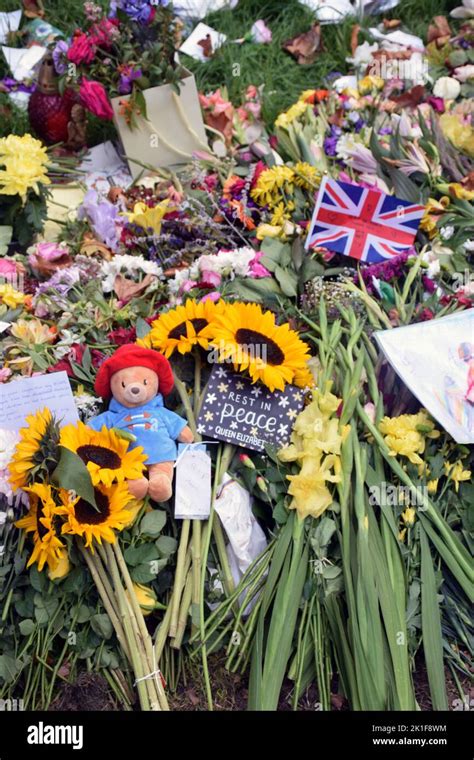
160,488
138,488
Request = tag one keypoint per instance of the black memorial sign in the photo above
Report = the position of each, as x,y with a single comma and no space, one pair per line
246,414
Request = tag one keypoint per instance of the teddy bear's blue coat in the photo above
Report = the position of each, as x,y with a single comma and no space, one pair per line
154,427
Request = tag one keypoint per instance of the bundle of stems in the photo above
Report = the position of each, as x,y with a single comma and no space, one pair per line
115,587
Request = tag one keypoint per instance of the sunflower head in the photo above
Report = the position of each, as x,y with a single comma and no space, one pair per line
100,524
44,522
183,328
106,455
252,341
36,453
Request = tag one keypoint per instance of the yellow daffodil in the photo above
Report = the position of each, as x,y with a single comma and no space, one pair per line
432,486
456,473
149,218
401,534
460,192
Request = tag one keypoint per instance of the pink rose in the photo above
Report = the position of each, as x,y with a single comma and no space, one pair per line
257,269
8,267
46,258
94,98
5,373
82,49
210,278
213,296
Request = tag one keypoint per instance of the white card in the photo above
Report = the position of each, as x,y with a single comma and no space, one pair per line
190,45
193,483
4,326
22,61
9,22
31,394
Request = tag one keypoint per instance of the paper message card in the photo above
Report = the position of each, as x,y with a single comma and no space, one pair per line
193,483
9,22
202,42
361,222
20,398
435,360
248,415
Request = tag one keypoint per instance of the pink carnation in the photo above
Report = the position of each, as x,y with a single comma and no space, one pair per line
82,49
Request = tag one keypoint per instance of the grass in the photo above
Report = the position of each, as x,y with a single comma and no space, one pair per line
237,66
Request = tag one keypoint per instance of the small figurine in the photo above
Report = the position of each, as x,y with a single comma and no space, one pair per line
137,379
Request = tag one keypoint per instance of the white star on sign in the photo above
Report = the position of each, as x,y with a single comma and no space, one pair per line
223,387
209,416
211,398
254,432
256,391
282,430
221,372
233,425
292,413
284,401
239,385
201,429
297,396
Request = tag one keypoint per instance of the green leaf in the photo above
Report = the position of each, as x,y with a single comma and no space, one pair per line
137,555
9,668
27,627
287,281
102,626
166,545
153,523
431,628
5,238
72,474
142,328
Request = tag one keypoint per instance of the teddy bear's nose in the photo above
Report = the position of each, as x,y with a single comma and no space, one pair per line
135,389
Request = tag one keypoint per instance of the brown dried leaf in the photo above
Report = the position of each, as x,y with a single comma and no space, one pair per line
468,181
305,47
392,55
355,37
439,30
92,247
411,98
125,289
33,8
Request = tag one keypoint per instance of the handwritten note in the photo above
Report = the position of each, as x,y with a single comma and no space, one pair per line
23,397
193,483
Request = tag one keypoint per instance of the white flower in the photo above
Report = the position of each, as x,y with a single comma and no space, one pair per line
343,83
447,88
363,55
228,263
87,406
127,265
347,145
8,441
447,232
404,125
463,73
466,10
433,269
468,245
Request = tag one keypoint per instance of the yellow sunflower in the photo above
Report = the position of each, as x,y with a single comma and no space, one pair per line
43,521
184,327
104,453
83,520
36,450
249,338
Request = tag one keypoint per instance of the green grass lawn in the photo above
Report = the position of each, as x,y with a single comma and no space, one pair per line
237,66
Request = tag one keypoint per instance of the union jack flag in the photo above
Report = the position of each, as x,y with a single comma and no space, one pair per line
361,222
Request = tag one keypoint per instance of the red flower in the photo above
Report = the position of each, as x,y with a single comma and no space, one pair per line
94,98
122,335
75,355
82,49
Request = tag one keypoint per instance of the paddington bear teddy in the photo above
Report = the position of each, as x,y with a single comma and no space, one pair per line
137,379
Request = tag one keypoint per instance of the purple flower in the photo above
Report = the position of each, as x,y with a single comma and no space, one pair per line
127,77
59,57
331,140
385,270
141,11
102,216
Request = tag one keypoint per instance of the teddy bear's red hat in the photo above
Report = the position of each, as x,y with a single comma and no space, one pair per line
131,355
